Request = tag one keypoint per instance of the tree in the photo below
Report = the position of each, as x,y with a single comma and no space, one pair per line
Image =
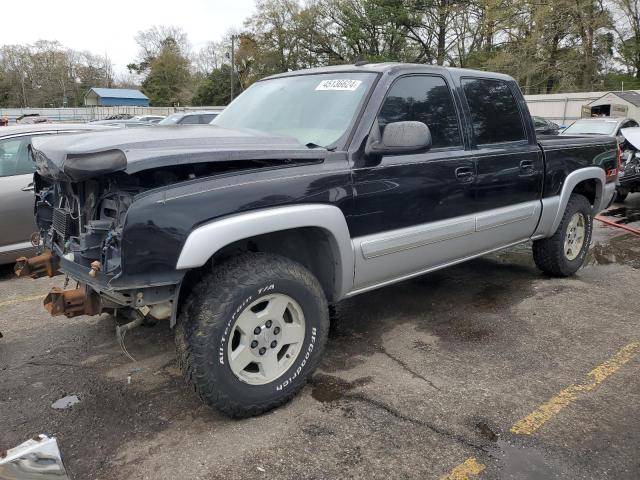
48,74
215,89
209,58
168,80
626,25
152,42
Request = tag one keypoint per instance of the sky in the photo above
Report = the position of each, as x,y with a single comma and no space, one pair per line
108,27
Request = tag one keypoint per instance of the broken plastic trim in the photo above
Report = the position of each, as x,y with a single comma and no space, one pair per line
38,457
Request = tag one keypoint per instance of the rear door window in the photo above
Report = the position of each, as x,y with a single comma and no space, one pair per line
207,117
495,115
425,99
190,120
14,157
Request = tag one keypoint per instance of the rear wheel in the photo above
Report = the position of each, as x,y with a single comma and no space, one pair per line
252,332
563,254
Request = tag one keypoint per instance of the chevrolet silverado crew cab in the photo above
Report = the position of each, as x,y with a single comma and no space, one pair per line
311,187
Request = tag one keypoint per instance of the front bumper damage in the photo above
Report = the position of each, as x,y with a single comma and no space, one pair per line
38,266
72,303
95,292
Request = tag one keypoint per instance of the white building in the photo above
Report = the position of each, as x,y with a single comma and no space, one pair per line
565,108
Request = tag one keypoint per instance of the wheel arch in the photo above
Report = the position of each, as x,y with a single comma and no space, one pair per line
306,233
590,182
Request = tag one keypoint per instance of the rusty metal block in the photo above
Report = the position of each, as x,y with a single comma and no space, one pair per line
71,303
38,266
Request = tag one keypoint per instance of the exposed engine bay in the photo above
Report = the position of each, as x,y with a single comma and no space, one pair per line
83,222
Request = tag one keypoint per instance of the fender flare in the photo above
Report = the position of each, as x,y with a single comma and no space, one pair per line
207,239
573,179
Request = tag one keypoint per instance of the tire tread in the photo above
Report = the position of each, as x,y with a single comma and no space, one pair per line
191,336
548,253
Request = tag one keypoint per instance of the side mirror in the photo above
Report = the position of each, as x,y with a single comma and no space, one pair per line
398,138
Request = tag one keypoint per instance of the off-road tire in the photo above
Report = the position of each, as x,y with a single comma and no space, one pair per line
621,195
209,314
548,253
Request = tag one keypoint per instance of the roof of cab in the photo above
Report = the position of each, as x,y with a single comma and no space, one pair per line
392,67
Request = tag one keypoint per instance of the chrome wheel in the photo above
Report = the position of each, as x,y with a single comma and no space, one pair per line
574,238
266,339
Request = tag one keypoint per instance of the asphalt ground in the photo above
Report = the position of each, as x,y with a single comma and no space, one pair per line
485,370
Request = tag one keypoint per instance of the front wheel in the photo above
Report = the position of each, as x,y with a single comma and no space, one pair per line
252,332
563,254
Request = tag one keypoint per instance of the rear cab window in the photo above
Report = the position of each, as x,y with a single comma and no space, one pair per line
495,115
426,99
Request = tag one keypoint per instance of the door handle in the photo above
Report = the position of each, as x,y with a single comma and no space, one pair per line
526,166
464,174
28,188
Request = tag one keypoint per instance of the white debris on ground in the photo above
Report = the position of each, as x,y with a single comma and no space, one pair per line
65,402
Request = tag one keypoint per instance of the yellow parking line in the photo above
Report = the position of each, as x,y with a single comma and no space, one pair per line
462,472
551,407
20,300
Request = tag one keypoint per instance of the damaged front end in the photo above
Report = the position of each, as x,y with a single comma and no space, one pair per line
81,215
114,208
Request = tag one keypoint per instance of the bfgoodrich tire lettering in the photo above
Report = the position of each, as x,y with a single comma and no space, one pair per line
549,254
205,332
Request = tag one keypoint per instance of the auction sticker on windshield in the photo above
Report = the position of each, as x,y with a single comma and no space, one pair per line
349,85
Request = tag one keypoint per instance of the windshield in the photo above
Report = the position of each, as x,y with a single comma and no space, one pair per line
592,127
171,119
314,109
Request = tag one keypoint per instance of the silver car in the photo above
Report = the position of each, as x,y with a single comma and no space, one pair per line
609,126
16,184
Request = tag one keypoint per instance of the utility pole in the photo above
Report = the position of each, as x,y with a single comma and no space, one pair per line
233,39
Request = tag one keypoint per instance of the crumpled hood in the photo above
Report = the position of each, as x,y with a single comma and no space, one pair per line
136,149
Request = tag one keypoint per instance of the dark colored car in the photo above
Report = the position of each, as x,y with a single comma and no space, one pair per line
311,187
545,127
31,118
189,118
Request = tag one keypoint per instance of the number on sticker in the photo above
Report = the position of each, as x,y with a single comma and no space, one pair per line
338,84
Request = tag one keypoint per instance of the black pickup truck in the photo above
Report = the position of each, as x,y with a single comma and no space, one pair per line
311,187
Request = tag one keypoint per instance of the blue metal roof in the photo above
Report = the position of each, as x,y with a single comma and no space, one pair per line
119,93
